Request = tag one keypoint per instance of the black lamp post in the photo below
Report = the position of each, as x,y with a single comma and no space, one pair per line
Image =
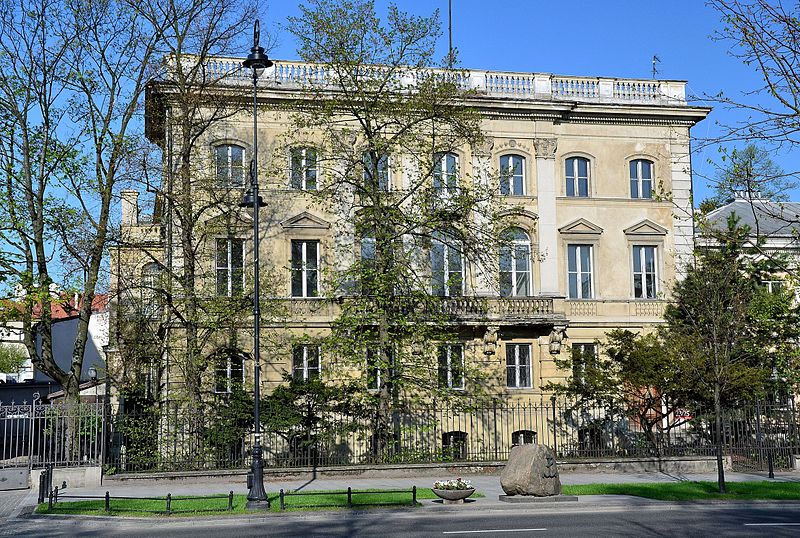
257,61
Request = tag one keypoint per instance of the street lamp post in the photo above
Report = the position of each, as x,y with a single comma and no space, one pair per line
257,61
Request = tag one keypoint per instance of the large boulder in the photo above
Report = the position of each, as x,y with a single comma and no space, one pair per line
531,470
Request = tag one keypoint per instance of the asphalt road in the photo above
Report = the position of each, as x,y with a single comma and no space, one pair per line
658,519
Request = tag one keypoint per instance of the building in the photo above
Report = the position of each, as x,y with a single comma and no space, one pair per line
600,174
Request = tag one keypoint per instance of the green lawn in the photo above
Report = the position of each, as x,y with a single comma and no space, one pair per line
188,506
692,491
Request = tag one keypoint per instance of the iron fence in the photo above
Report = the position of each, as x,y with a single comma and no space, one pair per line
175,438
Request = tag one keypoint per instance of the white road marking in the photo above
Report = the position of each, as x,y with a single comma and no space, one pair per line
492,530
772,524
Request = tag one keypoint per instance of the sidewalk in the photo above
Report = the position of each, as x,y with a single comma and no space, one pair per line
13,502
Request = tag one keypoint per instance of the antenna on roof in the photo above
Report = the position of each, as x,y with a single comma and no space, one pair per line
656,60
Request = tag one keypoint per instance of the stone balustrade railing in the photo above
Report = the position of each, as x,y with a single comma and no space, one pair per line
539,86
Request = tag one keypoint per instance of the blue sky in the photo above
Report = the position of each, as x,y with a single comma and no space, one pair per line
615,38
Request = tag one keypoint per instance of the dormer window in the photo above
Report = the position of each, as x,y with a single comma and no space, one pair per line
230,165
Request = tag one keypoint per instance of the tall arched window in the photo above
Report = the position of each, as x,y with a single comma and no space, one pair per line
576,171
515,264
230,165
445,172
512,175
641,171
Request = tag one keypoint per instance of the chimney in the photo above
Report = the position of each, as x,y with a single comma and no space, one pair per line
130,208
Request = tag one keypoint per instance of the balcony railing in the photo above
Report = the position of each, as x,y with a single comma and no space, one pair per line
533,86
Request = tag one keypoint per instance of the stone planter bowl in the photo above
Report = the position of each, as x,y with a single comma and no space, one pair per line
452,496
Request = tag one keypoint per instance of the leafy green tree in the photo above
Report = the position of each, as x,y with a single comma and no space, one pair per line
11,358
389,114
751,172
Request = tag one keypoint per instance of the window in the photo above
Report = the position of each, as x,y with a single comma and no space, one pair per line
577,174
454,445
230,267
451,366
447,267
518,366
579,271
230,165
305,362
445,172
376,173
645,276
773,286
304,169
305,268
515,264
523,437
512,175
379,366
367,272
641,178
228,373
583,355
150,290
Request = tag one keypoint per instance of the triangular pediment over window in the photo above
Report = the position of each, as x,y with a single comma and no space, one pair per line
646,227
306,220
581,227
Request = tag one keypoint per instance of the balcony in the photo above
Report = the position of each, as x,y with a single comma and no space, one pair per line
502,311
497,84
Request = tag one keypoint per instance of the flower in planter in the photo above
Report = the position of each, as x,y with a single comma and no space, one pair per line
458,483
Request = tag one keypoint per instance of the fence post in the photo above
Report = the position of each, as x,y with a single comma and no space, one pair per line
230,501
108,502
349,497
759,436
413,495
283,501
169,503
555,428
494,427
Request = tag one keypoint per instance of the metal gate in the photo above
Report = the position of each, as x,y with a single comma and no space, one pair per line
35,435
761,437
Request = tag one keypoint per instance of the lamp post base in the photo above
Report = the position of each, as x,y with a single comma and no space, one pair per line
257,505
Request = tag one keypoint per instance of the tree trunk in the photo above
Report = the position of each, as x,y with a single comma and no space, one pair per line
719,439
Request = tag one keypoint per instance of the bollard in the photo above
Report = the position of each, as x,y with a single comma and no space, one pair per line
414,496
349,497
42,481
169,503
50,500
230,501
55,495
108,502
283,502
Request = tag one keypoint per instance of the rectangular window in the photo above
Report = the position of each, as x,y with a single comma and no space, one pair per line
641,178
230,267
304,169
379,366
579,271
228,373
376,171
518,366
305,362
773,286
451,366
447,269
645,274
582,356
305,268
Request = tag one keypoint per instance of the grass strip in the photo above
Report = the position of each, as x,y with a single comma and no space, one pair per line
693,491
185,506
